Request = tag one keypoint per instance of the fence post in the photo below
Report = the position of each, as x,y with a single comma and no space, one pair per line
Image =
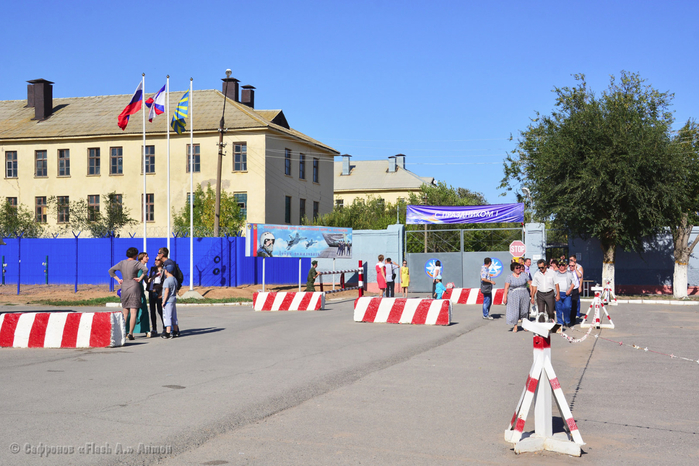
76,260
46,269
19,260
3,269
360,282
111,258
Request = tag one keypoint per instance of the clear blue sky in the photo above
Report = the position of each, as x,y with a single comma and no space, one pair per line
445,83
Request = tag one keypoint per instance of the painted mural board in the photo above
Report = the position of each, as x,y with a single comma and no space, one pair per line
265,240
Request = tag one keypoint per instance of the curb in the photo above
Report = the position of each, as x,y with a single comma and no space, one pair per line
194,304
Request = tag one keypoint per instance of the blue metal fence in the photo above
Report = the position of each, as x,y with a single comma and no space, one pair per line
217,261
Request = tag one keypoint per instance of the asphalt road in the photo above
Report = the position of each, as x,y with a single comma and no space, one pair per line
316,388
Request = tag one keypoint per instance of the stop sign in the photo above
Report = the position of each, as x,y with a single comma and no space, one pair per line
517,248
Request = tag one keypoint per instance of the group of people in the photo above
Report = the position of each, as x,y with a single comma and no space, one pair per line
386,272
554,288
162,283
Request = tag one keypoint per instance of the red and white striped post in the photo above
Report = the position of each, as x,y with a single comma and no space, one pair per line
360,284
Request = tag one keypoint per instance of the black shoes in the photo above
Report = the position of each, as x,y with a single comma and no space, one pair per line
167,336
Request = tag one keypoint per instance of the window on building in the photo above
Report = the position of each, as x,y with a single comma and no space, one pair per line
150,159
197,158
40,163
315,170
12,201
240,157
150,212
63,162
93,161
302,166
316,207
63,207
116,161
242,200
93,207
302,210
339,203
40,209
287,209
116,203
11,164
287,162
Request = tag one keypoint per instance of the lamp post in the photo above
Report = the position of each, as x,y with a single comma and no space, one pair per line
221,130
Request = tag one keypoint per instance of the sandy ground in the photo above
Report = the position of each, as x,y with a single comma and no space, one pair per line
30,293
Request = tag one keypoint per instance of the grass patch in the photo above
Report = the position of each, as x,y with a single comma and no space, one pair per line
78,302
213,300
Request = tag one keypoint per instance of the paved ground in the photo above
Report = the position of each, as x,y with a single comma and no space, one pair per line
244,387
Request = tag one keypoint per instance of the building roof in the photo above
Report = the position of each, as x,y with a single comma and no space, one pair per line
373,175
97,117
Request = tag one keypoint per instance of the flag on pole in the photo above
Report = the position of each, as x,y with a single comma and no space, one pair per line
156,104
133,107
178,122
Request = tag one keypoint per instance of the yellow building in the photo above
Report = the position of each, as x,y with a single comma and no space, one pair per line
72,148
385,179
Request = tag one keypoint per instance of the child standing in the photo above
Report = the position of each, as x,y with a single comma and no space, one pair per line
405,278
169,303
439,289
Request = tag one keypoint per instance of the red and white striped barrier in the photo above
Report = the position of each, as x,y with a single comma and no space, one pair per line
281,301
471,295
403,311
62,330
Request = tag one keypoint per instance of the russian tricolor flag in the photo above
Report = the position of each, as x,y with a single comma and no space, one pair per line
133,107
156,104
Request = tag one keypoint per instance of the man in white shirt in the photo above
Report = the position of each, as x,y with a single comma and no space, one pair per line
564,280
576,274
544,290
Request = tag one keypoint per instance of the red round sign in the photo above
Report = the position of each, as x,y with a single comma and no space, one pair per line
517,248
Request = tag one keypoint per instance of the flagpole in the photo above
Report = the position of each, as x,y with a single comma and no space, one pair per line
191,186
167,124
143,150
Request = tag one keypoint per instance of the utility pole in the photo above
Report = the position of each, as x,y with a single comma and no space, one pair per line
221,130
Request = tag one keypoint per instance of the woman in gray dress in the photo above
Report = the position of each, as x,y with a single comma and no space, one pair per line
130,286
516,295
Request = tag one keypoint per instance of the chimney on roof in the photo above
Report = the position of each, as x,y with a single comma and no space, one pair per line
40,96
248,97
346,167
400,161
392,164
230,88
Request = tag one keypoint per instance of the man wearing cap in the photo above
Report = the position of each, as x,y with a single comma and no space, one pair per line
311,279
169,303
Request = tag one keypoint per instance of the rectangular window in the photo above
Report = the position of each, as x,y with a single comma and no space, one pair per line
302,210
12,201
40,163
197,159
287,209
93,207
339,203
316,206
150,213
315,170
150,160
11,164
302,167
40,209
240,157
63,162
287,162
116,203
116,161
93,161
63,206
242,200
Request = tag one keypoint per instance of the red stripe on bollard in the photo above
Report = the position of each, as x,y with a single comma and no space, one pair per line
100,334
423,308
7,332
371,310
70,331
38,332
396,311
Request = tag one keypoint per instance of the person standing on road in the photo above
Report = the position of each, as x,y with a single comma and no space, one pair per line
580,272
487,287
130,287
575,294
143,321
169,300
544,290
381,275
405,278
516,296
439,289
390,278
312,275
564,281
164,256
155,293
437,274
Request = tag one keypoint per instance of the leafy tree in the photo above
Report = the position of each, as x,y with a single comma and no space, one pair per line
16,220
686,149
371,213
600,166
231,220
109,220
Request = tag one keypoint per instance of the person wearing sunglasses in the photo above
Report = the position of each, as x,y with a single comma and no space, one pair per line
516,296
544,290
564,280
576,275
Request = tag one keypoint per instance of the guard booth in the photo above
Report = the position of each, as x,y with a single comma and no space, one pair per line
460,251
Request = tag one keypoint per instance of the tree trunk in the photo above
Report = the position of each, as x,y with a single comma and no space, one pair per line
608,257
680,237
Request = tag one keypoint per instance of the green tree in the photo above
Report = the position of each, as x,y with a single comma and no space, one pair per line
231,220
108,220
18,220
600,166
372,213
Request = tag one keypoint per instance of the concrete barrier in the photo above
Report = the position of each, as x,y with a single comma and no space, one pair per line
471,295
403,311
281,301
62,330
